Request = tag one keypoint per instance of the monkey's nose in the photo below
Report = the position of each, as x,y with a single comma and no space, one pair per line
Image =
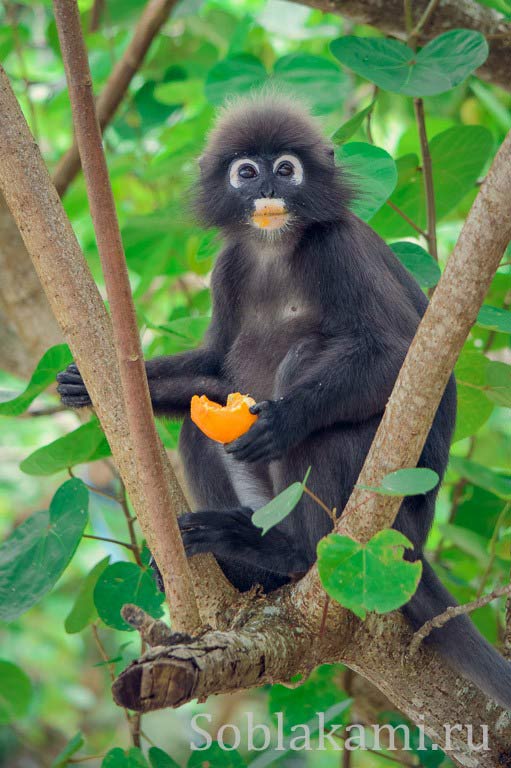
268,192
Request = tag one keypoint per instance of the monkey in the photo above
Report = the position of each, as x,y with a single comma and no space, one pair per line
312,315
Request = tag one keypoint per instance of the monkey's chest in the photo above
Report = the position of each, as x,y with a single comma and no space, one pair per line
267,334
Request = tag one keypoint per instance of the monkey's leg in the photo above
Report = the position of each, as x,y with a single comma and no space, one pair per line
227,493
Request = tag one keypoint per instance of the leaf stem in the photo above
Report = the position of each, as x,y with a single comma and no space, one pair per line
407,219
110,541
427,171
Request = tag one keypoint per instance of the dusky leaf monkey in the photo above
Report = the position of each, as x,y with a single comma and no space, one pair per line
312,316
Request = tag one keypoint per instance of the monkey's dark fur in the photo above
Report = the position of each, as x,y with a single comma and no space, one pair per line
313,322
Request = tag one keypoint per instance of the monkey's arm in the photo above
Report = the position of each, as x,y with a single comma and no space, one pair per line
172,382
349,381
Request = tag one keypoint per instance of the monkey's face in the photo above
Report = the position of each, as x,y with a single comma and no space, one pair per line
266,189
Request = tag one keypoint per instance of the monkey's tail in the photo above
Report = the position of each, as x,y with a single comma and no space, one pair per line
458,641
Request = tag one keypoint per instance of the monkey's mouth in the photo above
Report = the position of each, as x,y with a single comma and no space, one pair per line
269,214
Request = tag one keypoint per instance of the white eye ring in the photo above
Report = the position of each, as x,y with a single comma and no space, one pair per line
297,176
234,179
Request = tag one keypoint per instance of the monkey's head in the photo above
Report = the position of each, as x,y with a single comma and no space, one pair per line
267,166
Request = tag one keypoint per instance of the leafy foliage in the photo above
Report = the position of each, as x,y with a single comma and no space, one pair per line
368,577
358,85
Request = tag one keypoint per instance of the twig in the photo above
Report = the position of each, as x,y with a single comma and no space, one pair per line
423,22
493,548
427,172
130,522
450,613
110,541
151,21
111,671
157,516
330,512
408,219
10,12
95,15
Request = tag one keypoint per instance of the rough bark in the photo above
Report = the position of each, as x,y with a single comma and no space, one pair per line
27,325
157,516
77,305
151,21
388,17
422,687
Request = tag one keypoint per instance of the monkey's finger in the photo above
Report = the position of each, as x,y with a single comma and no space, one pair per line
70,390
264,405
256,431
76,402
257,452
69,377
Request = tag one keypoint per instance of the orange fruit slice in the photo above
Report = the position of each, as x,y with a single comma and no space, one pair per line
223,423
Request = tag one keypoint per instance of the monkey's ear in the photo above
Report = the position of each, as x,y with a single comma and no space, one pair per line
201,162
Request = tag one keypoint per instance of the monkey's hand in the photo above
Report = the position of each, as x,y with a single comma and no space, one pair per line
71,388
267,439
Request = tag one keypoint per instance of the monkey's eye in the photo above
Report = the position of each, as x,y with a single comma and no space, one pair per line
247,172
242,170
285,169
289,167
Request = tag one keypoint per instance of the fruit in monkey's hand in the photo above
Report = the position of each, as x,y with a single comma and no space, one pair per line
223,423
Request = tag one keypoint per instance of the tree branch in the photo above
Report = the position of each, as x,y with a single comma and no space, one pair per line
153,18
450,613
427,174
77,305
291,618
157,516
451,14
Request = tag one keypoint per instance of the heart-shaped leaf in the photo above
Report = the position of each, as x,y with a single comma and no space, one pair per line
85,444
34,556
368,577
418,262
315,79
159,759
53,361
279,507
441,65
123,583
373,172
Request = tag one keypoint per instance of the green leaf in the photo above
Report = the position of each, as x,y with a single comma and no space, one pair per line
474,408
484,477
185,332
468,541
406,482
374,175
72,746
315,79
85,444
418,262
118,758
458,157
15,692
494,318
498,380
53,361
216,757
352,125
35,555
441,65
504,6
279,508
123,583
322,690
159,759
235,76
83,610
368,577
